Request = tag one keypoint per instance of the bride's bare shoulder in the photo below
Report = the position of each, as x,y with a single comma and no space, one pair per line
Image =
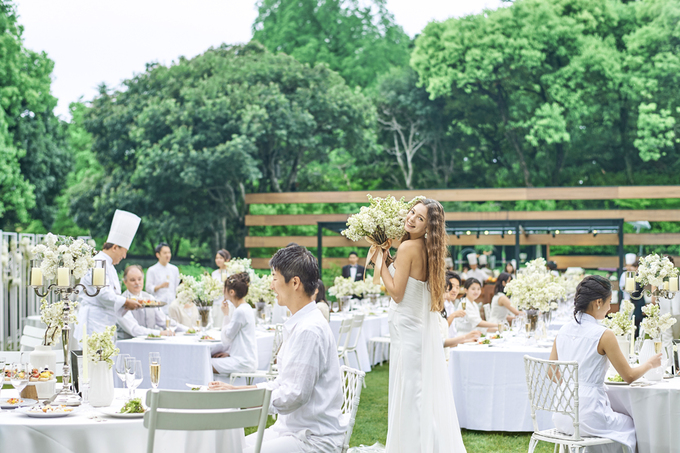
411,246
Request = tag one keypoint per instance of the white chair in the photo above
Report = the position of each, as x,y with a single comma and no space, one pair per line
181,410
270,373
487,311
352,382
553,387
378,342
344,335
352,341
31,337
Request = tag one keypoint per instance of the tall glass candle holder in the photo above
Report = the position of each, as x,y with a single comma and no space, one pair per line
99,274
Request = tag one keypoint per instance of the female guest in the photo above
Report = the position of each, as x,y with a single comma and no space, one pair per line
222,257
594,346
509,268
501,307
185,314
419,390
320,298
446,325
238,330
472,319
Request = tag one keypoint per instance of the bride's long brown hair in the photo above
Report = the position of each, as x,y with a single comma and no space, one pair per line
435,246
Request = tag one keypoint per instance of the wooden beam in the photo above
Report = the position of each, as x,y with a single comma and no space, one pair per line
508,194
263,263
306,241
586,262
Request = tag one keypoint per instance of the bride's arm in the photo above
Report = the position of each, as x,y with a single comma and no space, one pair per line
397,286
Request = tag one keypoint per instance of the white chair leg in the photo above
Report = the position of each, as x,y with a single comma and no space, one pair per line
532,445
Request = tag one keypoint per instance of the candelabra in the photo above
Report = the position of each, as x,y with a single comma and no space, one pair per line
670,287
66,290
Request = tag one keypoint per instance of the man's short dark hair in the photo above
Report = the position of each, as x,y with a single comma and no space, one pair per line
297,261
353,253
449,276
160,246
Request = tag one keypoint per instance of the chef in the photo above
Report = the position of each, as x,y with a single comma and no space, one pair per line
483,260
474,271
100,311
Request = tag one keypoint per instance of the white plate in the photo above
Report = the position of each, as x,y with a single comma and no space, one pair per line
114,412
608,382
40,414
210,341
201,388
26,402
153,338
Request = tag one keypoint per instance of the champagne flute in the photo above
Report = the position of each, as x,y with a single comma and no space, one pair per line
155,368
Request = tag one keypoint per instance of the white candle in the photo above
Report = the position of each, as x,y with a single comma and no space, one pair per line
665,285
63,277
36,276
630,285
673,284
98,277
85,374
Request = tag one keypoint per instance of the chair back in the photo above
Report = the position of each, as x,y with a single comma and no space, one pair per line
553,387
31,337
352,383
344,333
487,311
276,347
357,324
13,357
198,411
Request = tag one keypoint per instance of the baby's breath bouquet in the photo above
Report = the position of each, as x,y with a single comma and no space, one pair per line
238,265
342,287
366,287
63,251
653,323
260,290
202,291
52,315
620,322
654,269
381,221
101,346
535,288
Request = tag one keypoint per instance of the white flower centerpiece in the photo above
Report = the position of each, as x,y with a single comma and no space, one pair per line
535,289
655,324
202,291
656,270
623,326
52,315
65,252
100,350
238,265
260,290
343,289
379,223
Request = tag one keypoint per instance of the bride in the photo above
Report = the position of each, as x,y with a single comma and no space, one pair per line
421,413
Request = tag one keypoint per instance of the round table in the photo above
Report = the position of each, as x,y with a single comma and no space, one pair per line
490,387
79,434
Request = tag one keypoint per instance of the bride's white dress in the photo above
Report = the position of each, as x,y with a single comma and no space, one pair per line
421,414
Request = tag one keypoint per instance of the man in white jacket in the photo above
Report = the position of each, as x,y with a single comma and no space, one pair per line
162,279
307,394
101,311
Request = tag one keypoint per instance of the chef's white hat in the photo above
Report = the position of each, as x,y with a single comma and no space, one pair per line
123,228
482,259
448,262
630,258
472,258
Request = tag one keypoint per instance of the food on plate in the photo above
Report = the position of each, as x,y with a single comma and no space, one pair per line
150,303
14,401
40,376
47,409
615,378
151,335
192,330
207,337
133,406
485,341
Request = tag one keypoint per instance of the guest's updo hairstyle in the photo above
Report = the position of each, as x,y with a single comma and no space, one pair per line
500,288
591,288
239,283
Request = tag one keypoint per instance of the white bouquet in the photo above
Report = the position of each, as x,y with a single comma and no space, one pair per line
653,324
621,322
52,315
653,269
101,346
63,251
342,287
202,291
260,290
238,265
535,288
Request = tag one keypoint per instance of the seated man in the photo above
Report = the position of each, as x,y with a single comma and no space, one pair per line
144,321
307,394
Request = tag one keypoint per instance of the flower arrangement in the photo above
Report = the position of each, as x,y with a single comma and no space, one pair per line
654,269
52,315
63,251
101,346
237,265
260,289
620,322
366,287
535,288
202,291
653,323
342,287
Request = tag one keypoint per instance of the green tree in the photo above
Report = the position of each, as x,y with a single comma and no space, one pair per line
359,40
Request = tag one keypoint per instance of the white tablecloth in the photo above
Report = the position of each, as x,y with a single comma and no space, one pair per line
79,434
490,388
185,359
373,326
655,411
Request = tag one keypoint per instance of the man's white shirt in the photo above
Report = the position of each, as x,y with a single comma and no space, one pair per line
158,274
143,321
100,311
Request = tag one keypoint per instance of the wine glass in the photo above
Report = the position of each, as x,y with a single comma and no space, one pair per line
19,376
335,306
130,375
155,368
121,369
136,376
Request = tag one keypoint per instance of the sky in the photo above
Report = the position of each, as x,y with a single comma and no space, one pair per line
93,41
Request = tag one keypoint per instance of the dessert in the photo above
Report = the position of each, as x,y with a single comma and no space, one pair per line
14,401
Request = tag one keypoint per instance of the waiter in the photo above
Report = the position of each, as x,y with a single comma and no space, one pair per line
100,311
353,269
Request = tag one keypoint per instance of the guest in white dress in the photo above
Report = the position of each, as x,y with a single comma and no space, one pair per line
307,394
510,267
222,257
501,308
421,412
593,346
147,320
453,282
238,330
320,299
162,279
472,318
